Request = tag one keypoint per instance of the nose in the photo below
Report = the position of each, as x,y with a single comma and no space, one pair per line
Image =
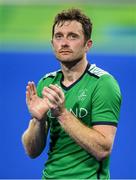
65,42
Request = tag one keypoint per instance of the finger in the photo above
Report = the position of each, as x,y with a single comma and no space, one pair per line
50,104
31,88
27,97
51,98
34,88
51,94
58,90
29,91
44,92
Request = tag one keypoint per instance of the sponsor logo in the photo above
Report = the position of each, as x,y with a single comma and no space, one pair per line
78,112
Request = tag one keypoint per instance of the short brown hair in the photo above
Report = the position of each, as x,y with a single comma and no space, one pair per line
74,14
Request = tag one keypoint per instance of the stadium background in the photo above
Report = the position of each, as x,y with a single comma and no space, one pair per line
25,54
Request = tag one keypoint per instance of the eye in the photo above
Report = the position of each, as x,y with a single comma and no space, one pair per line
58,36
73,36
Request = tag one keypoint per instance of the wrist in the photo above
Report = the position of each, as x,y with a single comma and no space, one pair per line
63,116
40,121
40,117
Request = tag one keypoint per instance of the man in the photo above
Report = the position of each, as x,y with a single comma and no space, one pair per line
80,105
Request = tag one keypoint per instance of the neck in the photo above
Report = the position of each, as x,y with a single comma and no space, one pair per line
72,71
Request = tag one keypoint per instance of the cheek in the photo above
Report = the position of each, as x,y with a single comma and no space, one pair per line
78,45
79,48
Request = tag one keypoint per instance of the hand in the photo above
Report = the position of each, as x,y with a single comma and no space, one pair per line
37,106
55,99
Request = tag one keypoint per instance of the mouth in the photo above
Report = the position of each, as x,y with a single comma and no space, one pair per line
65,51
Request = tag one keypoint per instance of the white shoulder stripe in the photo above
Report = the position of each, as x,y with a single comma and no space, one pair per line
96,70
54,73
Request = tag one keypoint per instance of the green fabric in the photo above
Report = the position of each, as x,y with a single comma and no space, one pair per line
94,98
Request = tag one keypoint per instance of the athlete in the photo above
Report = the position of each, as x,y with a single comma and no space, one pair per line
79,104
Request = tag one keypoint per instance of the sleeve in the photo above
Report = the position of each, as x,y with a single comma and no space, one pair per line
106,101
40,87
45,81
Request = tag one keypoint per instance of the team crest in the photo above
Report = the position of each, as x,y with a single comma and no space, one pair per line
82,94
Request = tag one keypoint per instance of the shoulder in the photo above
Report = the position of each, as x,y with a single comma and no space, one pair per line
105,83
102,77
96,72
51,74
107,87
46,80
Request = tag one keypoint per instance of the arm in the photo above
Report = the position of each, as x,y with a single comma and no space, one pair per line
34,138
97,140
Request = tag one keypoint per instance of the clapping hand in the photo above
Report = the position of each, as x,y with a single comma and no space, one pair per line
37,106
55,99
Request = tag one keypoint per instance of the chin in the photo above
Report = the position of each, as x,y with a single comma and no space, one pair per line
69,59
69,62
62,59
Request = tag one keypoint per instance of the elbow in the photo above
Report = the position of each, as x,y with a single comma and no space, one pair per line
103,152
30,150
32,155
103,155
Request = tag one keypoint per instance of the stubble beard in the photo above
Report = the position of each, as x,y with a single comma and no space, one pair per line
70,62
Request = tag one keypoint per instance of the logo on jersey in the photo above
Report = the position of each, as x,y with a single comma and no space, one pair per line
82,94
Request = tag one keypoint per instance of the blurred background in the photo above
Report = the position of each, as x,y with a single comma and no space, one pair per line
26,54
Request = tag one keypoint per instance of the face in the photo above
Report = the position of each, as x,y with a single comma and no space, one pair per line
69,43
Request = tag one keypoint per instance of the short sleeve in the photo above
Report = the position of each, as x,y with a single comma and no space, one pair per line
40,87
45,81
106,101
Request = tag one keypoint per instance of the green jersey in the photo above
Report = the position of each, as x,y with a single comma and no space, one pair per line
94,99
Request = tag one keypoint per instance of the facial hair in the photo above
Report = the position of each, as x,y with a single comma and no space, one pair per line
70,63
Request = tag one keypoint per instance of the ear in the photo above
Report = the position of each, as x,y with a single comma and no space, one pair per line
88,45
52,43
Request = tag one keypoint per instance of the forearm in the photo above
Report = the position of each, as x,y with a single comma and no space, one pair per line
34,138
90,139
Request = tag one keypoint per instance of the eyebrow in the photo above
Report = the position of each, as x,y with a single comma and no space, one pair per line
72,33
58,33
69,33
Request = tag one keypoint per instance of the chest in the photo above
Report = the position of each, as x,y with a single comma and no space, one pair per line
78,99
78,102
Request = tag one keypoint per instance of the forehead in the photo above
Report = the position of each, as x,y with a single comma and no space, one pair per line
67,26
